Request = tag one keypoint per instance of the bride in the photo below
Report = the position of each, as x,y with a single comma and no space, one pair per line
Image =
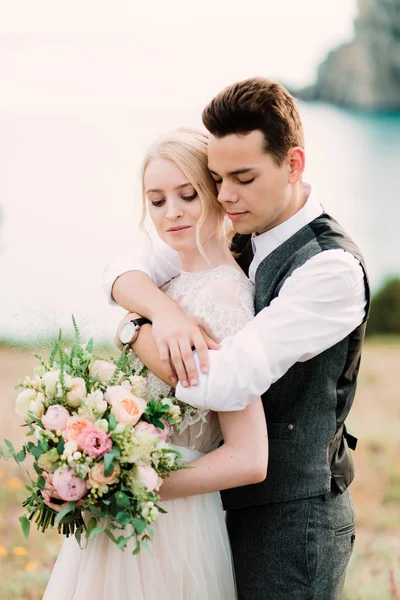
189,557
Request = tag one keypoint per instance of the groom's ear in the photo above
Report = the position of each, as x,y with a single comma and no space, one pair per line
296,161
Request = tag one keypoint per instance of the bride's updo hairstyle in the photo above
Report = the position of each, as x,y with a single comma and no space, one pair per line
187,148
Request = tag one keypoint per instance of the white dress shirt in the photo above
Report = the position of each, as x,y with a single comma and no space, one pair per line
318,305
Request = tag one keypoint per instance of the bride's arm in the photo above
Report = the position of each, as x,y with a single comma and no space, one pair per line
146,349
241,460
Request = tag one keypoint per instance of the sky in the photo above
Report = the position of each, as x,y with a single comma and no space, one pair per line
98,56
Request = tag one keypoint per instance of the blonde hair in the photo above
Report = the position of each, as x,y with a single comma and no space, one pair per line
187,148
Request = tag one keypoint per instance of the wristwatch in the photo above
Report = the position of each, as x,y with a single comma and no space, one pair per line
130,330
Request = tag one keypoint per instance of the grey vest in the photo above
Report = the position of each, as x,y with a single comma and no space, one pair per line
305,410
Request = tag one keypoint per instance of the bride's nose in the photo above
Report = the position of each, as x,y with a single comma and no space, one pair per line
174,210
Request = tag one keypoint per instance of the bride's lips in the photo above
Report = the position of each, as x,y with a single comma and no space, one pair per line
236,215
178,230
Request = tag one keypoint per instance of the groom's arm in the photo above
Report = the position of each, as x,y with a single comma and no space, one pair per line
321,303
133,284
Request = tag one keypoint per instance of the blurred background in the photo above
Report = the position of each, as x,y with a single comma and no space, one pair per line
85,87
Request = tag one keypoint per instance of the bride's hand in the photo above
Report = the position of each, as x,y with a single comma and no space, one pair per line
176,337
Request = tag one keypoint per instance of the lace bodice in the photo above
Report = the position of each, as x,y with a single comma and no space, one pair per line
221,300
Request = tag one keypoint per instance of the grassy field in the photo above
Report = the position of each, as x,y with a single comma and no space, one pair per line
374,571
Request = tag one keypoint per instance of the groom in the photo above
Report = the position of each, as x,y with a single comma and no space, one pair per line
292,535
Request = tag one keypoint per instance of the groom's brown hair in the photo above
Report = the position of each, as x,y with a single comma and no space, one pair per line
257,104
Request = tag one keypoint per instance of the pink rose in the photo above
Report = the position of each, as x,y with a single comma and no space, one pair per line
148,477
94,441
75,426
68,486
126,407
56,417
149,429
97,477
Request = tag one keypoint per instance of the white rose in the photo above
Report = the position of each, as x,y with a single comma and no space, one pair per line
36,407
103,370
77,393
50,379
23,402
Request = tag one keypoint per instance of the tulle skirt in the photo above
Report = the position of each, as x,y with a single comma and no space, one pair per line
189,559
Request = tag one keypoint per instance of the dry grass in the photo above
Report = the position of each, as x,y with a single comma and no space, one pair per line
374,571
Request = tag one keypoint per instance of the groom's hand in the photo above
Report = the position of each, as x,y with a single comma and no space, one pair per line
176,337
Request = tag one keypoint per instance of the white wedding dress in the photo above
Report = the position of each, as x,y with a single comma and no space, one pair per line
189,557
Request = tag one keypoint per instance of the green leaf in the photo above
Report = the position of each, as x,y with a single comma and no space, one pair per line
38,470
20,457
123,518
137,549
26,525
10,447
60,446
89,345
122,500
111,536
63,512
36,451
95,531
112,422
91,525
122,541
78,535
139,525
109,459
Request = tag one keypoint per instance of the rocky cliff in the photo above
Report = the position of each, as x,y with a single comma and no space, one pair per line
364,73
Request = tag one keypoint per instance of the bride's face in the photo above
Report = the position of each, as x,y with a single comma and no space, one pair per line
174,205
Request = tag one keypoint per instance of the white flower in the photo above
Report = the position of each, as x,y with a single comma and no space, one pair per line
38,433
23,402
103,370
102,424
39,371
77,392
149,511
120,428
70,448
94,405
77,455
36,407
50,379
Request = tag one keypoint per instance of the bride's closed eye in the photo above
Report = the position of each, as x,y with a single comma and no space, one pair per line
189,198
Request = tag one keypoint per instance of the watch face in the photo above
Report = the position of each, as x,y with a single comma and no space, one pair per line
127,333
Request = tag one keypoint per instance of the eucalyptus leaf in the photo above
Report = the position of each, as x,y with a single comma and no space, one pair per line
95,531
64,511
26,525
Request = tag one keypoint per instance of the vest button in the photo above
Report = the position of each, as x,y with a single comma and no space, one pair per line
290,426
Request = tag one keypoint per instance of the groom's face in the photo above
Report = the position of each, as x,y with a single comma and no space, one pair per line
253,189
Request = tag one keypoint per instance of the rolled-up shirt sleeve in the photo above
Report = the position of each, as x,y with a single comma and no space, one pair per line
153,257
321,303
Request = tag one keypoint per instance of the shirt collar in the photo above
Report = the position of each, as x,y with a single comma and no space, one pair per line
267,242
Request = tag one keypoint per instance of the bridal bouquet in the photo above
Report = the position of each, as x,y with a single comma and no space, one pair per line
99,444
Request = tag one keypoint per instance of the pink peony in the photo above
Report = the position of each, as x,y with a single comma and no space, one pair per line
68,486
56,417
75,426
149,429
148,477
94,441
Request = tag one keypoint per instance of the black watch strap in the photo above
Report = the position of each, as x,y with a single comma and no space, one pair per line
141,321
